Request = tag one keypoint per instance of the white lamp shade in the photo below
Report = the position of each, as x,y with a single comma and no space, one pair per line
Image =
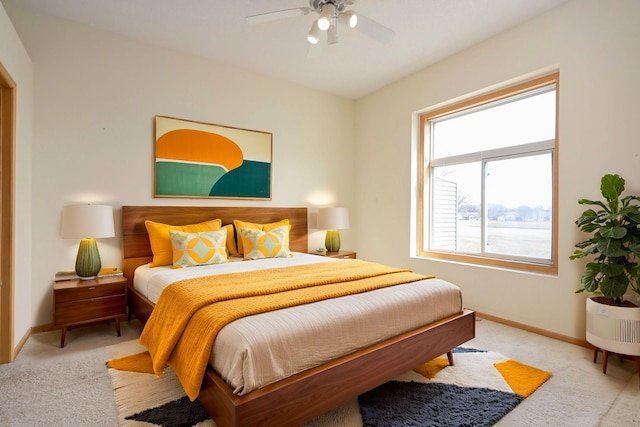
332,34
326,14
87,221
314,37
333,218
349,18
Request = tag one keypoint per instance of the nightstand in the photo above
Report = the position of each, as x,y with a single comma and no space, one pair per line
340,254
77,302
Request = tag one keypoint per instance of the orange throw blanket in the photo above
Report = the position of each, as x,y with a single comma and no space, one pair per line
190,313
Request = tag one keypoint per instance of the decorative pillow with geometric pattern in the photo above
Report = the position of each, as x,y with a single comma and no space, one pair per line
200,248
263,227
265,244
160,239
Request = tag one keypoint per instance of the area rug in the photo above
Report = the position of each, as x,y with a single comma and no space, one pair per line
480,389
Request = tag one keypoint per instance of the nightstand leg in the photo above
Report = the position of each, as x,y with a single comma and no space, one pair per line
63,334
118,325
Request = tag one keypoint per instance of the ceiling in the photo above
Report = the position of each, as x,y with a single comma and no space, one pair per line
426,31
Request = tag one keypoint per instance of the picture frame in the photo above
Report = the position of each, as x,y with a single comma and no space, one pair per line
202,160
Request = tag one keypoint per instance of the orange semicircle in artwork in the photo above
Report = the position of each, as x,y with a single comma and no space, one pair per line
199,146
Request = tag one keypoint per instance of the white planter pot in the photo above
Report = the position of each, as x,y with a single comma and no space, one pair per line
615,329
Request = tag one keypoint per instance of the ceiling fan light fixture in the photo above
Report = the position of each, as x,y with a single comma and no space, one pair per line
330,14
324,21
332,34
349,18
314,33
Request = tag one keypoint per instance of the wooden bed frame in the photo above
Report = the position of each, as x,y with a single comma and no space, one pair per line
303,396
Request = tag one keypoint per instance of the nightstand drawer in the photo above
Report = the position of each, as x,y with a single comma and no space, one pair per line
348,255
88,292
90,309
77,302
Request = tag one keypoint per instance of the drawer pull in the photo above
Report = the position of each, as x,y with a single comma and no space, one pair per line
92,288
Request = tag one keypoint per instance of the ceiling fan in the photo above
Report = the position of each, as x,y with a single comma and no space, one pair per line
331,12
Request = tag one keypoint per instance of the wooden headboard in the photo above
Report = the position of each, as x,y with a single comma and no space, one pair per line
136,249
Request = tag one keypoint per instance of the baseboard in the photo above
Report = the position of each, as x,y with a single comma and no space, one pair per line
42,328
543,332
21,344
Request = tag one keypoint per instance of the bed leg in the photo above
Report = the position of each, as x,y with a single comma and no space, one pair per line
450,357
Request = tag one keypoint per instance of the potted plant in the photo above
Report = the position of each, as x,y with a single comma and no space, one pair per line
613,323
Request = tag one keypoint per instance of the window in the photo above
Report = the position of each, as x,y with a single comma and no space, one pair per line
487,189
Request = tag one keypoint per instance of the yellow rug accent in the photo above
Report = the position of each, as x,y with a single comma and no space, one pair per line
139,362
433,367
523,379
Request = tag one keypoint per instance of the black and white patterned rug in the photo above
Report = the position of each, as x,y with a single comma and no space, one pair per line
479,390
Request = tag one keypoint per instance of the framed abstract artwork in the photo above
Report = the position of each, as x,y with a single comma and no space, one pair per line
201,160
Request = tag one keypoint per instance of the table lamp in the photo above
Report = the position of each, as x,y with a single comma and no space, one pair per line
87,223
333,219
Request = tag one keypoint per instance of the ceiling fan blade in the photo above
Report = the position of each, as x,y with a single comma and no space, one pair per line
375,30
279,14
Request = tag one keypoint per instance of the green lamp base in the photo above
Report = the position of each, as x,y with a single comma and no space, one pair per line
88,260
332,241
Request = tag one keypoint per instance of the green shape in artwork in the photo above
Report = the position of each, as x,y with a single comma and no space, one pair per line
251,180
186,179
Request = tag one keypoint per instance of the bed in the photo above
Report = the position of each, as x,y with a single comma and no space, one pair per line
304,395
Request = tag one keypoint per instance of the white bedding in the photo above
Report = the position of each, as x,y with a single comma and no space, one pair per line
257,350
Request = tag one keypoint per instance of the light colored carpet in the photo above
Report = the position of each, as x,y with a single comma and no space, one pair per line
49,386
578,394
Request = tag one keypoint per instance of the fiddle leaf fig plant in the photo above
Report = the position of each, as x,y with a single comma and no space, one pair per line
614,245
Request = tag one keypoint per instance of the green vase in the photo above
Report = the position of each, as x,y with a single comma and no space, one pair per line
88,260
332,241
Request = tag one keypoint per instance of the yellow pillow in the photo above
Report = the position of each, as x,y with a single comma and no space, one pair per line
160,239
262,227
200,248
265,244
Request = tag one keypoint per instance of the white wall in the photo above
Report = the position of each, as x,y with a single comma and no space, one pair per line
16,61
595,44
96,95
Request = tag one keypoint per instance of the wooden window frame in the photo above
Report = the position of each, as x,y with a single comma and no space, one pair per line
424,195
